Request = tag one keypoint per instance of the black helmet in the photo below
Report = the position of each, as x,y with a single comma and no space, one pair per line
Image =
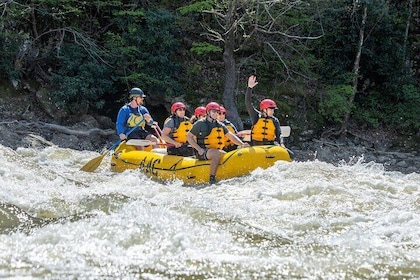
136,92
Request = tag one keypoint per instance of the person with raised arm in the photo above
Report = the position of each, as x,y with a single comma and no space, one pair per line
265,128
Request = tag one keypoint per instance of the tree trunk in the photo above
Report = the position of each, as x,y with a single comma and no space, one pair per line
229,90
407,32
356,68
230,67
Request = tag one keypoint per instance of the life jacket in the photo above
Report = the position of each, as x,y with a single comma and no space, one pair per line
263,130
229,126
215,138
180,130
135,117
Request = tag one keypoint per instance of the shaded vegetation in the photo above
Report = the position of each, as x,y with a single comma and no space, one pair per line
91,53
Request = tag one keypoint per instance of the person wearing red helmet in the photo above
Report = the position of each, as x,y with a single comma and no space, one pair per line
175,130
265,126
199,113
229,146
207,138
134,114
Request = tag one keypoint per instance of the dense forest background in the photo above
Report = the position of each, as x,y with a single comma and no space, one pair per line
330,65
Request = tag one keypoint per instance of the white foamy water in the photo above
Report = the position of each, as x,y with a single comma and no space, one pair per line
297,220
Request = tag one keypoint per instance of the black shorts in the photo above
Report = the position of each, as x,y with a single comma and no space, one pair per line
203,156
230,148
138,134
184,151
261,143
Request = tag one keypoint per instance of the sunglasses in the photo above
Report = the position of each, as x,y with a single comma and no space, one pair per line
181,109
220,113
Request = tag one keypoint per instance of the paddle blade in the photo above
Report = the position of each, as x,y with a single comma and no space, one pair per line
285,131
139,142
93,163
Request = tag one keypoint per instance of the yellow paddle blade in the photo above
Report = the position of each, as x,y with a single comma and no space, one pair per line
94,163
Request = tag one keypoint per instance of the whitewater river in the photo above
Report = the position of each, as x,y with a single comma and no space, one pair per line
300,220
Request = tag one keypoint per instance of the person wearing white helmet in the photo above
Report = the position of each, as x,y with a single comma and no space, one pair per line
134,114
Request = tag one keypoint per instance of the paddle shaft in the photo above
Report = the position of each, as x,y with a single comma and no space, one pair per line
128,133
144,143
91,165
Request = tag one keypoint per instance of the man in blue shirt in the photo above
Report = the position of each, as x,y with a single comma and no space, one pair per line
134,114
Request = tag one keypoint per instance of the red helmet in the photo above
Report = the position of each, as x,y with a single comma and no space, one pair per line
222,109
176,106
267,103
212,106
199,111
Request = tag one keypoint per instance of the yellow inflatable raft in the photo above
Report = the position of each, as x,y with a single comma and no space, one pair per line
159,165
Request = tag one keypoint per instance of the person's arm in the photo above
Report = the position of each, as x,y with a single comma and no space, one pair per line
167,128
147,117
121,123
235,139
252,112
191,140
279,137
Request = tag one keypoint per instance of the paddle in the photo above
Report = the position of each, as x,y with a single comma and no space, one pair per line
158,132
145,143
94,163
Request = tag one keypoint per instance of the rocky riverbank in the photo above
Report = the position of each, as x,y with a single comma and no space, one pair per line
31,126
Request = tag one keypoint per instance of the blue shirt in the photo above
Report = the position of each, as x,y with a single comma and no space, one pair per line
123,115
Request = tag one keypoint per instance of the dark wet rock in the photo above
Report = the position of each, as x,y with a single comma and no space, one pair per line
48,106
105,122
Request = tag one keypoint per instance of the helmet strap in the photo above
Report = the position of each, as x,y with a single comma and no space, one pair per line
264,112
212,119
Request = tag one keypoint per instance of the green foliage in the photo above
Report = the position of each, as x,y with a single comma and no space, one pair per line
99,48
204,48
143,49
335,104
11,62
80,80
408,113
194,69
196,7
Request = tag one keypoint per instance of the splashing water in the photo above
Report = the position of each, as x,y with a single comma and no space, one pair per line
307,220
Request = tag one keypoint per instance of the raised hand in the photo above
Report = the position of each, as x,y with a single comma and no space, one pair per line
252,81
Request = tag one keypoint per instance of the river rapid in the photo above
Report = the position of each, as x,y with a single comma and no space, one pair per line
299,220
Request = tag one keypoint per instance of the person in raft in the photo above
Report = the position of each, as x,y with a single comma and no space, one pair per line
229,146
207,138
265,128
134,114
175,129
199,113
